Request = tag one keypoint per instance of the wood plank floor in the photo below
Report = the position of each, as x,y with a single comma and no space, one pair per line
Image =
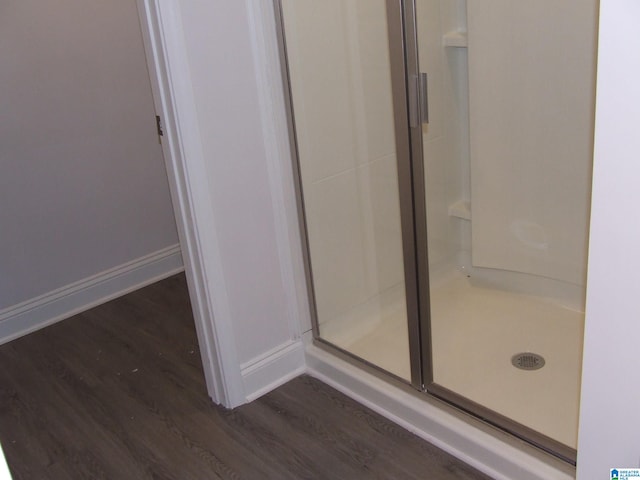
118,393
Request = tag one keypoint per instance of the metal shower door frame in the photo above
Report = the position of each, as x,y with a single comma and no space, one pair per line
417,102
408,115
409,107
409,165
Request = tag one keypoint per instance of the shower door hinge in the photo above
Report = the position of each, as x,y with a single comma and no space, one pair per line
159,128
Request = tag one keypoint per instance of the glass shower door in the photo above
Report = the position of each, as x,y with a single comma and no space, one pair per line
507,157
443,159
350,165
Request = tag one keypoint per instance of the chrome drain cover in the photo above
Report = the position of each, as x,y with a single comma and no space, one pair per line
527,361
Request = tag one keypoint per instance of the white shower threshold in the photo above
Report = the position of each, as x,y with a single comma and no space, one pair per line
488,449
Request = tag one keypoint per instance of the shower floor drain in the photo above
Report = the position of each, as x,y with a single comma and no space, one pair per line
527,361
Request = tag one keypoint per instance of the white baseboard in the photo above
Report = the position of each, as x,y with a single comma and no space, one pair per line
273,369
486,449
44,310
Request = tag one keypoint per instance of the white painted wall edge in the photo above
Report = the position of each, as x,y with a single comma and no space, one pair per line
609,436
271,94
4,469
286,361
165,47
486,449
274,368
36,313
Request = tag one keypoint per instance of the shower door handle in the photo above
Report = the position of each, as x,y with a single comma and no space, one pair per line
418,100
413,93
424,97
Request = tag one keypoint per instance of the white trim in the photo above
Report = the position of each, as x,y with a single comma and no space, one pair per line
44,310
274,368
496,454
174,99
4,468
266,57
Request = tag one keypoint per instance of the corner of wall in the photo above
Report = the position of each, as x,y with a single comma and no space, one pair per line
272,369
52,307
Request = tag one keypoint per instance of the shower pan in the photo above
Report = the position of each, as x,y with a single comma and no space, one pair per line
443,162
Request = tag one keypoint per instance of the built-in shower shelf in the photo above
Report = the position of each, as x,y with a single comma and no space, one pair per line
455,39
460,209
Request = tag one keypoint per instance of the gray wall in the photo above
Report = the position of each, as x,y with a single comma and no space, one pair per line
83,186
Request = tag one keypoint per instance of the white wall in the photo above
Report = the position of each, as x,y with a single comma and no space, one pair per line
83,186
220,61
531,84
445,137
609,416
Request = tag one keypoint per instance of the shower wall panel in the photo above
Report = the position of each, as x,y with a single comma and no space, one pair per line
531,82
341,87
445,137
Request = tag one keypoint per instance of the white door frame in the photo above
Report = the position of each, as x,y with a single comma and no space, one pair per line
229,381
173,98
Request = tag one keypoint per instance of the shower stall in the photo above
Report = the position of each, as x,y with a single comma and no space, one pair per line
443,161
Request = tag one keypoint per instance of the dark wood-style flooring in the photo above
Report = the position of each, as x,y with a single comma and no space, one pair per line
118,392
